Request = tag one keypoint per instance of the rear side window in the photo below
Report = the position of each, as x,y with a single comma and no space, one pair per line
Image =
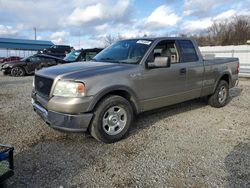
188,51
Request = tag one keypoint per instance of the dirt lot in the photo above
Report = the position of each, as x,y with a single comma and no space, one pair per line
186,145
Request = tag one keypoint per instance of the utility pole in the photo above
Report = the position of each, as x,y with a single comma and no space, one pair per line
35,32
79,42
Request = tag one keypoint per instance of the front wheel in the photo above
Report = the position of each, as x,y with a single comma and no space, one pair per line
17,71
220,96
112,119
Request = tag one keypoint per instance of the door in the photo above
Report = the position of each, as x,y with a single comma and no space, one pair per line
164,86
33,63
195,68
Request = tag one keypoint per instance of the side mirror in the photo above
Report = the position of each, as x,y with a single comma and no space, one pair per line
27,60
160,62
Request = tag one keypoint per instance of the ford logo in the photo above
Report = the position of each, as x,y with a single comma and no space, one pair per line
40,84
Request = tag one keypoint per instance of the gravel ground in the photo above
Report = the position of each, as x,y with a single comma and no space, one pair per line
186,145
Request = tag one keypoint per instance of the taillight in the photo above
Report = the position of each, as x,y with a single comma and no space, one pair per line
238,68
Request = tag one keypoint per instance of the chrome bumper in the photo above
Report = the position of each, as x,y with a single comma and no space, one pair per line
62,121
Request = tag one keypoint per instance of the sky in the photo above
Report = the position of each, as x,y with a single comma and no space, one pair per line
86,23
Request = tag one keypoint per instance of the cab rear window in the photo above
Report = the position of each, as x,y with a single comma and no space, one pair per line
188,51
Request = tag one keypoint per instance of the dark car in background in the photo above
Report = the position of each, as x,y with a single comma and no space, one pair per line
81,55
29,64
57,50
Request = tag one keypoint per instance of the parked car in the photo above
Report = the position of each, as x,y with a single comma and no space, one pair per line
10,59
57,50
127,78
29,65
81,55
2,59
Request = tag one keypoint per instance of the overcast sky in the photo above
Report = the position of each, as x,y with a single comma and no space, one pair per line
84,23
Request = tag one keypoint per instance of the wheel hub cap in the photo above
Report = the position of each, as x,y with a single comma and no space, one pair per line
222,95
114,120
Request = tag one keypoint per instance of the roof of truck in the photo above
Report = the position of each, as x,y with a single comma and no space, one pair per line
160,38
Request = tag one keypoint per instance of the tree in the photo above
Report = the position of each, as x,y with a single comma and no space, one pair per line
234,31
110,39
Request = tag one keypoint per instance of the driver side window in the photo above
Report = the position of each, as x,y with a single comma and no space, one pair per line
167,49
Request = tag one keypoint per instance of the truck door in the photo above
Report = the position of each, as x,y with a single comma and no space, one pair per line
194,66
167,85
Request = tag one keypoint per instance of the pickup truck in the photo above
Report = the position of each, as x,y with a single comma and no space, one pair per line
129,77
57,50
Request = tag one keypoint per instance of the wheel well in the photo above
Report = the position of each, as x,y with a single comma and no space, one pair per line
226,78
125,95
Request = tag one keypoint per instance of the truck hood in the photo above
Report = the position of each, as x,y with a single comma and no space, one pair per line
74,71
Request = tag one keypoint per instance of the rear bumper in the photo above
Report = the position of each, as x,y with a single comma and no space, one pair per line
63,121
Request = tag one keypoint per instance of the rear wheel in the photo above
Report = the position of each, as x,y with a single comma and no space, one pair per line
220,96
112,119
17,71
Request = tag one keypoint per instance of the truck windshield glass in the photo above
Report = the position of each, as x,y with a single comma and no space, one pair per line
126,51
72,56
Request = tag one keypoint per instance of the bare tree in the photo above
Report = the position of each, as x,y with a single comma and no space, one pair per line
241,29
234,31
110,39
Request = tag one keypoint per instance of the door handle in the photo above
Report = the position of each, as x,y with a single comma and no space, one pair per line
183,71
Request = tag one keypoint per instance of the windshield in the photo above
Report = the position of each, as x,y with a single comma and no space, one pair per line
25,58
126,51
72,56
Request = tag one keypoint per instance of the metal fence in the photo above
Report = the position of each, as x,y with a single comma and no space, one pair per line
20,53
241,51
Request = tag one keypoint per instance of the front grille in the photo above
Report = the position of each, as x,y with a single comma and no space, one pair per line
43,85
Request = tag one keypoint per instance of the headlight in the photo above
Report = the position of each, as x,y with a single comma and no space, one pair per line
69,89
5,66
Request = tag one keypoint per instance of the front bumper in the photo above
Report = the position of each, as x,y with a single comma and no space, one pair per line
63,121
5,70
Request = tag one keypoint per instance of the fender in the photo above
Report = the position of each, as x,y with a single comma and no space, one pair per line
225,73
113,89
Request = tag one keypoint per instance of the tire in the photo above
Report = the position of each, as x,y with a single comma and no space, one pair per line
112,119
17,71
220,96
